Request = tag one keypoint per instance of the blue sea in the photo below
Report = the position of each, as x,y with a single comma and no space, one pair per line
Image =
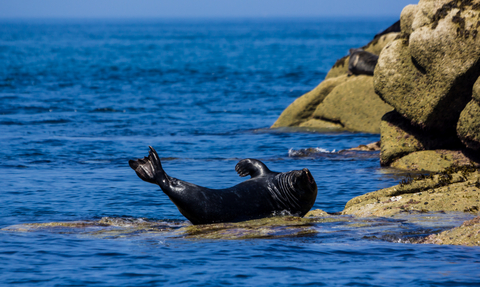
79,98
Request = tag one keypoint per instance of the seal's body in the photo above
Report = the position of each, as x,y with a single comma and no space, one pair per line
362,62
265,194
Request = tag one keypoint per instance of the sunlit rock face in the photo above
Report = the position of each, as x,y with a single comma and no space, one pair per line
428,72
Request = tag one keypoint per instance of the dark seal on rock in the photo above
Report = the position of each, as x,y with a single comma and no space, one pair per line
265,194
362,62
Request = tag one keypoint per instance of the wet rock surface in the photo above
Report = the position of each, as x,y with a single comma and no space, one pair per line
467,234
401,228
456,189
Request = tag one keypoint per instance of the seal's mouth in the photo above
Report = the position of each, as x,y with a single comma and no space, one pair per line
309,175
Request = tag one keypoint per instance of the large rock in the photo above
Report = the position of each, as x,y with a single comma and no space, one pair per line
428,75
302,108
374,47
400,138
354,105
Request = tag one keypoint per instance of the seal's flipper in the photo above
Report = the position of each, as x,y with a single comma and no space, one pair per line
252,167
148,167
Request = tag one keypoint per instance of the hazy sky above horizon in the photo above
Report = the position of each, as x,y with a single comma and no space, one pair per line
199,8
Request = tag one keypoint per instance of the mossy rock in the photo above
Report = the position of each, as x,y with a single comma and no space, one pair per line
399,138
302,108
449,191
432,160
354,105
467,234
375,47
428,75
468,127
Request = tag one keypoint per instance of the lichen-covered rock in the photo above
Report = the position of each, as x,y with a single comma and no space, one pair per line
468,127
400,138
467,234
354,105
302,108
428,75
432,160
455,190
374,47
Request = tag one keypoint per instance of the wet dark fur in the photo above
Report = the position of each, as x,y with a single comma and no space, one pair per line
265,194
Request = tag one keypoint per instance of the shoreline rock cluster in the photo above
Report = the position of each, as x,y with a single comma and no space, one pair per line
424,101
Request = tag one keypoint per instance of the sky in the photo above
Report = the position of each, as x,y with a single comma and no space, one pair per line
199,8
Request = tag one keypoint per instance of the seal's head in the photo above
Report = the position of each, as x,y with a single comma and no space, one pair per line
305,186
297,190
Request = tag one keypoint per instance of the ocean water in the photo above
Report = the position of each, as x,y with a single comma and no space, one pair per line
78,99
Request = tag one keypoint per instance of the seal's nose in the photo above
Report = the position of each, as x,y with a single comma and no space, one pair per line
309,175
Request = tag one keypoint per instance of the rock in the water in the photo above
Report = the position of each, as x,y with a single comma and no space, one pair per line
302,108
467,234
428,75
375,146
400,138
354,105
468,127
452,190
316,213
